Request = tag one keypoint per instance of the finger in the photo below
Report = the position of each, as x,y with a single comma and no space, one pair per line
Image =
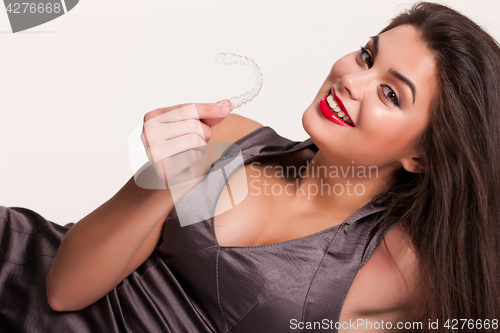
158,112
209,111
144,137
216,111
164,149
225,106
184,112
172,130
158,132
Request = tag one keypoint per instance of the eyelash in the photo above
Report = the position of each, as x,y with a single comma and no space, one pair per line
365,51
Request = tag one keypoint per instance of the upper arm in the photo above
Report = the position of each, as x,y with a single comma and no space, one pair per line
388,280
232,128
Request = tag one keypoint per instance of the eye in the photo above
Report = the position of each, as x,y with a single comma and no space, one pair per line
390,95
365,57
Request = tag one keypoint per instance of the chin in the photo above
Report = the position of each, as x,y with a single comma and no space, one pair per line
306,120
312,121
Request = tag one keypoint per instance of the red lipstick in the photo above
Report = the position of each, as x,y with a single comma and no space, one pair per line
331,115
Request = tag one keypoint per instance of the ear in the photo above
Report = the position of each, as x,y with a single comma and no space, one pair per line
413,164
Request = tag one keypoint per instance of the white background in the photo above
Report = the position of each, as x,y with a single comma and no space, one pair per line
74,88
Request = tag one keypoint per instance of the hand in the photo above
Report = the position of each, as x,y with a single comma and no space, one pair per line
176,138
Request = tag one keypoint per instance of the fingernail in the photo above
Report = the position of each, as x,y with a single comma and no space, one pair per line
224,107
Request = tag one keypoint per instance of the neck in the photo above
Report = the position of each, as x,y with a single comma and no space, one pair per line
338,188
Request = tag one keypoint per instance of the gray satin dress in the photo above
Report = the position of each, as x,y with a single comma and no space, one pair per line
190,283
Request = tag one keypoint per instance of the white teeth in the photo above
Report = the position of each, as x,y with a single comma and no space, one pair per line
332,103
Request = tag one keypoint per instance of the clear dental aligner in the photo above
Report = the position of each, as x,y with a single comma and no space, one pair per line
233,59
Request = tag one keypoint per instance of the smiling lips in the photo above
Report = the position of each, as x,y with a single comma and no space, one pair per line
333,109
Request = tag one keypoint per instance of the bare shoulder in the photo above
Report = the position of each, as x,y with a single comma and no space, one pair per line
387,284
232,128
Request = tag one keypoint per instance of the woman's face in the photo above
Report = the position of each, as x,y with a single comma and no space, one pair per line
387,89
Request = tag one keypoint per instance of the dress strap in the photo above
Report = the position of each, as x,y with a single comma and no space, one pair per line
265,141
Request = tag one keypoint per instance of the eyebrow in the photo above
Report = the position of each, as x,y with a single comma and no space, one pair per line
394,73
375,46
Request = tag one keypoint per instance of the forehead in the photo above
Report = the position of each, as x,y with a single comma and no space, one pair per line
403,50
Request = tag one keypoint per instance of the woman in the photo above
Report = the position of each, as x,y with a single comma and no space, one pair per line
418,104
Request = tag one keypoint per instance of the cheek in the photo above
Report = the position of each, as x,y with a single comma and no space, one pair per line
391,133
379,125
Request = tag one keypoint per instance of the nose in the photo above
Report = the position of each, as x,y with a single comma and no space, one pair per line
356,83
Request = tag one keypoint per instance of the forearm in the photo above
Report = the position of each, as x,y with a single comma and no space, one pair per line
101,249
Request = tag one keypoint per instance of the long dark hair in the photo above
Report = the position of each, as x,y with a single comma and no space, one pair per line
452,211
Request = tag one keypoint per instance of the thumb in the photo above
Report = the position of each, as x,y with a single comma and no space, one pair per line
222,108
